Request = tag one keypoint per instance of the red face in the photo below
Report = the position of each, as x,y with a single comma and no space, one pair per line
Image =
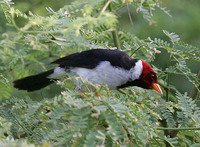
149,78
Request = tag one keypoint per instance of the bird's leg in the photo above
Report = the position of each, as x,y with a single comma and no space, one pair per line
80,92
83,94
89,88
98,95
92,89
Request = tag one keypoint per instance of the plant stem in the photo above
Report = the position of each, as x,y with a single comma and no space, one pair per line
135,50
121,91
14,23
194,92
179,129
105,7
115,34
167,89
129,14
52,32
168,79
116,39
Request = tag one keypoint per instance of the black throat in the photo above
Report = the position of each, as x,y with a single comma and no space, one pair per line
137,82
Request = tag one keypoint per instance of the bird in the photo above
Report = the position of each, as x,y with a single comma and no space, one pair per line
114,68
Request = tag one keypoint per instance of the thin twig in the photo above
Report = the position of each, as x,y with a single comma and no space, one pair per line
105,7
179,129
121,91
129,14
168,79
14,23
194,92
115,34
135,50
116,39
52,32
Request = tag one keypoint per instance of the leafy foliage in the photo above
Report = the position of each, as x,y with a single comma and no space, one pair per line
127,117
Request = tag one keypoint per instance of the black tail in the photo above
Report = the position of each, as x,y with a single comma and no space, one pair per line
34,82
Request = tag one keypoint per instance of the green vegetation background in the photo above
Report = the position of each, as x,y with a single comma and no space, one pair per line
123,117
185,21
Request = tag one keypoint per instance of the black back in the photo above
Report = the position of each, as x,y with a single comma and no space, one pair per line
91,58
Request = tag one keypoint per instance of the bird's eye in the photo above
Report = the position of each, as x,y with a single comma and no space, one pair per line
153,76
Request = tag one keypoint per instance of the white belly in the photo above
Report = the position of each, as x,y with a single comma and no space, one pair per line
104,72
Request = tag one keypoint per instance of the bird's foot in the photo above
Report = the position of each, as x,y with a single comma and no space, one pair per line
83,94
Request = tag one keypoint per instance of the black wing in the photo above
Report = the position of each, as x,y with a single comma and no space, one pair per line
91,58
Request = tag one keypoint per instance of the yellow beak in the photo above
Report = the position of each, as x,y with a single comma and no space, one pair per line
156,87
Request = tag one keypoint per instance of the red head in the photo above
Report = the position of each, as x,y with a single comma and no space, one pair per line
149,77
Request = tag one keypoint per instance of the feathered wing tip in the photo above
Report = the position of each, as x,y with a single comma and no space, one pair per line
34,82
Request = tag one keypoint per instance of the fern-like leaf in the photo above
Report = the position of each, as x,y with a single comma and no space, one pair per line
173,37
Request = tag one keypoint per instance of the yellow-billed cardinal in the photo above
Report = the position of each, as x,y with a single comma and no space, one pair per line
113,67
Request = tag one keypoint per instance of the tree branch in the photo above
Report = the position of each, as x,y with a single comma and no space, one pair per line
194,92
115,34
179,129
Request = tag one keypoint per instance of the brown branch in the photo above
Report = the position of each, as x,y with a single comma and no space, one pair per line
194,92
129,14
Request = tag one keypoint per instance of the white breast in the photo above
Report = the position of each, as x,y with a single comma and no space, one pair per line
136,71
113,76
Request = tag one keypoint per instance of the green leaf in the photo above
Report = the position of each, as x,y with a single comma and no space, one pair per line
173,37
